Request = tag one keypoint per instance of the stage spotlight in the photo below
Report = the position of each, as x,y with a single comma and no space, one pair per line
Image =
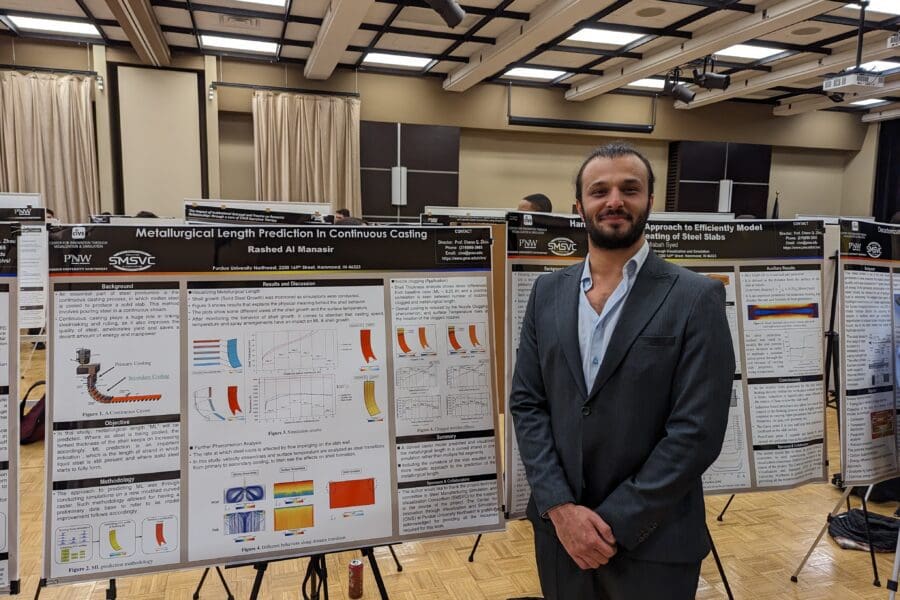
712,81
683,93
449,10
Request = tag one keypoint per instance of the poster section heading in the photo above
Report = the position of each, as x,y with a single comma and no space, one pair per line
205,417
545,235
233,214
193,249
734,240
870,327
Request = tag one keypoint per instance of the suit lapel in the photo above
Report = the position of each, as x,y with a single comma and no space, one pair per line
567,297
650,289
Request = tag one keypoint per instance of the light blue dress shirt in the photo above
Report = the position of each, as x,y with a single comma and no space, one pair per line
595,330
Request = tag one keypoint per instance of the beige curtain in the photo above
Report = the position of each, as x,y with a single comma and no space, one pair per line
307,149
47,141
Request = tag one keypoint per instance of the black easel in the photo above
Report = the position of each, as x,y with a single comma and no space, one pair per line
110,590
230,596
474,548
719,566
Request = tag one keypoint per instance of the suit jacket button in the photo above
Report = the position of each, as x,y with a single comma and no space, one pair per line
586,410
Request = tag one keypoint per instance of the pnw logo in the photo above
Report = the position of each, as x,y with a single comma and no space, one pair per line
873,249
132,260
561,246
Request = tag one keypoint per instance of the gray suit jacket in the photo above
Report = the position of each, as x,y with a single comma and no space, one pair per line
634,447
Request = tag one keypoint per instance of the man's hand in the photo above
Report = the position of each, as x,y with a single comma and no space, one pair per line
584,534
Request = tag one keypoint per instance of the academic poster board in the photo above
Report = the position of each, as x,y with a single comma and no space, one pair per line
869,303
536,243
9,410
772,272
246,212
26,209
225,394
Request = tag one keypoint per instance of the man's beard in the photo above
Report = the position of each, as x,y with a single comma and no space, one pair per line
624,236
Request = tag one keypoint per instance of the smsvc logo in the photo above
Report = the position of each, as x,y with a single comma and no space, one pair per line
873,249
561,246
132,260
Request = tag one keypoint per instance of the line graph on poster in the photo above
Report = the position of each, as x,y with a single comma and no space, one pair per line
216,405
293,399
463,376
114,384
417,377
280,351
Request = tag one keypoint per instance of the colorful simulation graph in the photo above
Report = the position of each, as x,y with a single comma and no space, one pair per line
208,353
294,517
351,493
759,312
293,492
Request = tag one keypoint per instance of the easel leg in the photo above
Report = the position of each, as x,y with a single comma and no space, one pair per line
837,506
376,572
722,514
719,566
474,548
257,581
892,582
111,590
876,582
200,583
224,583
396,560
41,585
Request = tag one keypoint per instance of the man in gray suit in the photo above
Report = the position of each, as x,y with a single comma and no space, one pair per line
620,398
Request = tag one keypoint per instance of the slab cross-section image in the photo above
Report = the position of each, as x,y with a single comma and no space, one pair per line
293,350
295,399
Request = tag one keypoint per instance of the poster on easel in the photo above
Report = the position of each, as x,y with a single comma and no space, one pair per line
224,394
250,212
772,273
869,300
536,243
9,409
28,211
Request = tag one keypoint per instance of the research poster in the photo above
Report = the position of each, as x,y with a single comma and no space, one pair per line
226,394
536,243
32,256
772,273
870,333
9,409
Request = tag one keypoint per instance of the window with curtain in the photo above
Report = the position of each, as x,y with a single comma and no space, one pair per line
47,141
307,149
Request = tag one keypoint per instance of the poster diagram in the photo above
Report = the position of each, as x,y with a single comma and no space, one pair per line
416,340
216,354
159,534
214,405
295,399
466,338
293,350
73,544
91,371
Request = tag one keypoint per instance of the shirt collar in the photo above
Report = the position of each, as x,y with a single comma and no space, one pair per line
629,270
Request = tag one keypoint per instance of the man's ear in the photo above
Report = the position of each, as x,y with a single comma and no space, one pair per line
579,208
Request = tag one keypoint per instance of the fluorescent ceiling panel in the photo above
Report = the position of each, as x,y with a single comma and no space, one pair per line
279,3
528,73
880,66
868,102
747,51
396,60
54,26
228,43
888,7
604,36
653,84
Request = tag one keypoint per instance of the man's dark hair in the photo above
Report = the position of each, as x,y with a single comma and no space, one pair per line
343,212
145,214
350,221
614,150
540,202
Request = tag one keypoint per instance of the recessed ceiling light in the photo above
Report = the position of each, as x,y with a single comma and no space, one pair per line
806,30
653,84
229,43
650,11
53,25
397,60
880,65
528,73
869,102
747,51
604,36
888,7
279,3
